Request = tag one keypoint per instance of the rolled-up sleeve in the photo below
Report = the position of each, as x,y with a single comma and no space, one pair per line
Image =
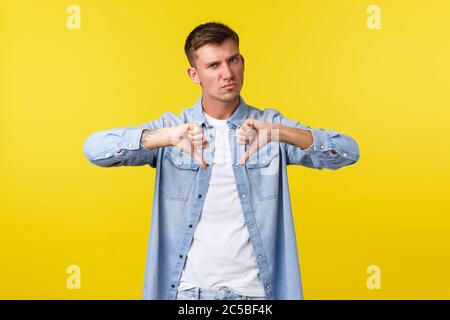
330,149
121,146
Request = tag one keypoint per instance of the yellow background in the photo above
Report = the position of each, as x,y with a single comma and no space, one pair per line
315,61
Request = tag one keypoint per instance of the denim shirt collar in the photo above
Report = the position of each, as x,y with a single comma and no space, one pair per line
239,115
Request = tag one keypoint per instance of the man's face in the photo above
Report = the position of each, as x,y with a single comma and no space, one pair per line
217,66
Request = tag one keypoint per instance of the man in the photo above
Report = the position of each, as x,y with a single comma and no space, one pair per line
222,224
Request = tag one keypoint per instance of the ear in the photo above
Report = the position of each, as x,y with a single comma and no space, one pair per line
243,62
192,73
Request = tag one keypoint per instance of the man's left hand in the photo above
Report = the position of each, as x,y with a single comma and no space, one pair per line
256,134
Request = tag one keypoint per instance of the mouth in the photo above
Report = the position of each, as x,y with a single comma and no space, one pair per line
229,86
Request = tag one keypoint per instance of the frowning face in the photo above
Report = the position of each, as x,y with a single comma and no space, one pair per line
219,69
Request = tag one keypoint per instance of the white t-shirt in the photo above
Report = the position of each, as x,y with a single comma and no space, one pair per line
221,253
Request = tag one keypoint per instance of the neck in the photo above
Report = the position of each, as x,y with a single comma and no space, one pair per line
219,109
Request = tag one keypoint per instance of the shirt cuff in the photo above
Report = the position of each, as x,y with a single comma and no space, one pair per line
321,141
131,139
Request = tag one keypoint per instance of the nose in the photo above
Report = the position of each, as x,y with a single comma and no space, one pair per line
227,72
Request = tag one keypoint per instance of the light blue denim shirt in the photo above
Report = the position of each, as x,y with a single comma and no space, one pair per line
181,185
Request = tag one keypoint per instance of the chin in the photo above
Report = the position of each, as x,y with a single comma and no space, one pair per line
230,96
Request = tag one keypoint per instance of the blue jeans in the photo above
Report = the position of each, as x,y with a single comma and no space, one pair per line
223,293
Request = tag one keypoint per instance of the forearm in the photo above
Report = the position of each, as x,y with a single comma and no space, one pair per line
152,139
118,147
315,148
294,136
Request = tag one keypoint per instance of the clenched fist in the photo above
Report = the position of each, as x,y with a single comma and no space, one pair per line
256,134
189,137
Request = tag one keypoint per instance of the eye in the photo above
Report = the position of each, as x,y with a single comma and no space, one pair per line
212,66
234,59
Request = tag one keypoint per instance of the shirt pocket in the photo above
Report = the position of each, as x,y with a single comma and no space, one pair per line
263,172
178,172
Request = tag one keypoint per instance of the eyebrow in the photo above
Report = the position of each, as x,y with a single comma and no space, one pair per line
218,62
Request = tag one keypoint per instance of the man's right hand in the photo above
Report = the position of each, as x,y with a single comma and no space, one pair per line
187,137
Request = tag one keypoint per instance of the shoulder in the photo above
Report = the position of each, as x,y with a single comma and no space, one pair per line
267,114
173,119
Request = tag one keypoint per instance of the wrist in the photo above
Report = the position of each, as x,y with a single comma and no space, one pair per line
165,137
152,139
274,132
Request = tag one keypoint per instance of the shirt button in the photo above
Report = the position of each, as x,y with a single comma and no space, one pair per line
199,195
321,147
180,163
173,286
181,256
243,196
345,154
268,286
260,257
190,226
222,291
251,226
130,145
108,154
